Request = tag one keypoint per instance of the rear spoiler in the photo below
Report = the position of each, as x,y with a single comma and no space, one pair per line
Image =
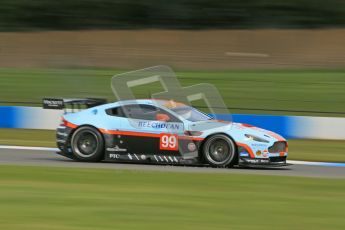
58,103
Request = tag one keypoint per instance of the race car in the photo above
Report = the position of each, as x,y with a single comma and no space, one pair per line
161,132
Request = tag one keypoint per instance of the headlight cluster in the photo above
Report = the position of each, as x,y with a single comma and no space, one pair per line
255,138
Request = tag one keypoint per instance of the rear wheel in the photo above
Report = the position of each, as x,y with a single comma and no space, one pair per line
87,144
219,151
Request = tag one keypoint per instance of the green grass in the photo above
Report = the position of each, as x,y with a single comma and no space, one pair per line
312,150
72,199
266,90
27,137
295,90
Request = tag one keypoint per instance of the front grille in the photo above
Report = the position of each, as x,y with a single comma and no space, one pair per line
277,147
277,159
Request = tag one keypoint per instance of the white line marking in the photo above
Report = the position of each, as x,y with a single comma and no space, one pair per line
28,148
312,163
329,164
136,156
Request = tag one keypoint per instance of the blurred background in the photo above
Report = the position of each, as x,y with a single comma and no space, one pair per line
266,57
271,60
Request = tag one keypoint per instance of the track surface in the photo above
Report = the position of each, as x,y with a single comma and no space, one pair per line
49,158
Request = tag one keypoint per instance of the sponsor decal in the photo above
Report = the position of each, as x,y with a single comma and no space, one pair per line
116,149
244,154
258,153
114,156
52,103
258,145
159,125
191,147
143,157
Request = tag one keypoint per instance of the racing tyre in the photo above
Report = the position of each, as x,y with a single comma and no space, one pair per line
87,144
219,151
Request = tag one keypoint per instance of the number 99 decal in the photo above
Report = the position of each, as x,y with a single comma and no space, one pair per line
168,142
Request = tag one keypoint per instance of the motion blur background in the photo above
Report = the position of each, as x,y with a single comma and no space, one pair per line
281,57
186,34
266,57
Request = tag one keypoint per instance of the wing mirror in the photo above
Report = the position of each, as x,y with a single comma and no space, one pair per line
162,117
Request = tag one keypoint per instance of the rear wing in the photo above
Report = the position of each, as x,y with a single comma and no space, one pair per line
71,104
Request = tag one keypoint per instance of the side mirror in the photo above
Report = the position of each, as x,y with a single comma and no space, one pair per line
162,117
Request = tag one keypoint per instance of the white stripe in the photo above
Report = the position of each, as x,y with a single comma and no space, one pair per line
28,148
329,164
62,134
332,164
155,157
166,159
170,158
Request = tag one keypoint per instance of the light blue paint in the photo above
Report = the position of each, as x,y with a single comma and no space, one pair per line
277,124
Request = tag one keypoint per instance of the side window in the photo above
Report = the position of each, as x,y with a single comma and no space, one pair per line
117,112
142,112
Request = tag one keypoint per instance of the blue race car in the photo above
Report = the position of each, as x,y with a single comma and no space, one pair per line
161,132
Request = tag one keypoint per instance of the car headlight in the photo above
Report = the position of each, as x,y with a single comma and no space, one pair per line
255,138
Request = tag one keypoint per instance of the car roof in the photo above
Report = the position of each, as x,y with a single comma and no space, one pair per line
155,102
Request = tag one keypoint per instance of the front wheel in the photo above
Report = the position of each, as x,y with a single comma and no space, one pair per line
219,151
87,144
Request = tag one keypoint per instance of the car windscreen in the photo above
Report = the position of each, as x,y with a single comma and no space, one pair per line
191,114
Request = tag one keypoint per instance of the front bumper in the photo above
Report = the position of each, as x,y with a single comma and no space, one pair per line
263,162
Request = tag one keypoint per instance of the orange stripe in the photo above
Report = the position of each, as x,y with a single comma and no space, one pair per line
128,133
249,150
190,138
140,134
69,124
133,133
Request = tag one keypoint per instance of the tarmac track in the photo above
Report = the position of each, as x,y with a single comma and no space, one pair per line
48,158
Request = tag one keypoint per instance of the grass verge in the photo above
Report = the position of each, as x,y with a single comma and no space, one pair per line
72,199
311,150
267,91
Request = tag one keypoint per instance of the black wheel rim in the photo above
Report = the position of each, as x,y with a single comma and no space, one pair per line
219,150
87,143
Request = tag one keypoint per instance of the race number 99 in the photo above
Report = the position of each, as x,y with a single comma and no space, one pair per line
168,142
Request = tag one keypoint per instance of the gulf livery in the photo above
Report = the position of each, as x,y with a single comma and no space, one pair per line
160,132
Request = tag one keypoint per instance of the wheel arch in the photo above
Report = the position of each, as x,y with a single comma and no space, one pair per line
217,133
69,138
103,143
